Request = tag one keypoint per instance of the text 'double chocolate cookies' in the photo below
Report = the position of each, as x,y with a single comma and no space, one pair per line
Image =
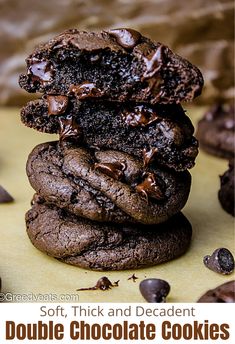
97,246
108,186
117,65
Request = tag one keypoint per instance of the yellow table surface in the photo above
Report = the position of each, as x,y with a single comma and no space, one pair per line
24,269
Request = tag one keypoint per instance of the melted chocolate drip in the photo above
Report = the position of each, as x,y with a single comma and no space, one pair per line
56,104
152,74
149,188
149,155
103,284
154,62
70,130
140,116
85,90
41,71
114,170
127,38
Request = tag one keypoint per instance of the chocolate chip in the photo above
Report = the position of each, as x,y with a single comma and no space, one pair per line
127,38
139,116
56,104
5,197
114,170
220,261
154,62
154,289
148,155
149,187
103,284
85,90
70,130
41,71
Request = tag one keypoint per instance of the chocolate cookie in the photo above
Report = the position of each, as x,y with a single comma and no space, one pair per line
108,186
161,133
96,246
226,192
119,64
216,131
223,293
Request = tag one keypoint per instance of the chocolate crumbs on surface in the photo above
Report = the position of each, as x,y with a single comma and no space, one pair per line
103,284
133,277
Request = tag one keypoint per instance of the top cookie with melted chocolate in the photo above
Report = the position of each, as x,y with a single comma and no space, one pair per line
119,64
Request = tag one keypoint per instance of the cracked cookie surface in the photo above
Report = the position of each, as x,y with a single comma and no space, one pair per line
102,246
106,186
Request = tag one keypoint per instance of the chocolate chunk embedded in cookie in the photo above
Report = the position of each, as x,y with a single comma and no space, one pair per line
97,246
118,65
216,133
106,186
160,133
226,192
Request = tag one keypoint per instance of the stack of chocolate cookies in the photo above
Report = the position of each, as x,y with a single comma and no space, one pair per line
109,192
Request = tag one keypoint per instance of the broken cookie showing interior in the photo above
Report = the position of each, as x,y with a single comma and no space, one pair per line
161,134
119,64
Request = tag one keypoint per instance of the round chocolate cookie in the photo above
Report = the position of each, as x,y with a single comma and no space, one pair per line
97,246
216,131
106,186
119,64
226,192
222,294
161,133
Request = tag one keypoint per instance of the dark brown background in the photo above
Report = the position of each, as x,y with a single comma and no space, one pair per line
200,30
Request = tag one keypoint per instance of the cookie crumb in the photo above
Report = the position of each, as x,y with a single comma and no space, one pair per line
116,284
132,277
